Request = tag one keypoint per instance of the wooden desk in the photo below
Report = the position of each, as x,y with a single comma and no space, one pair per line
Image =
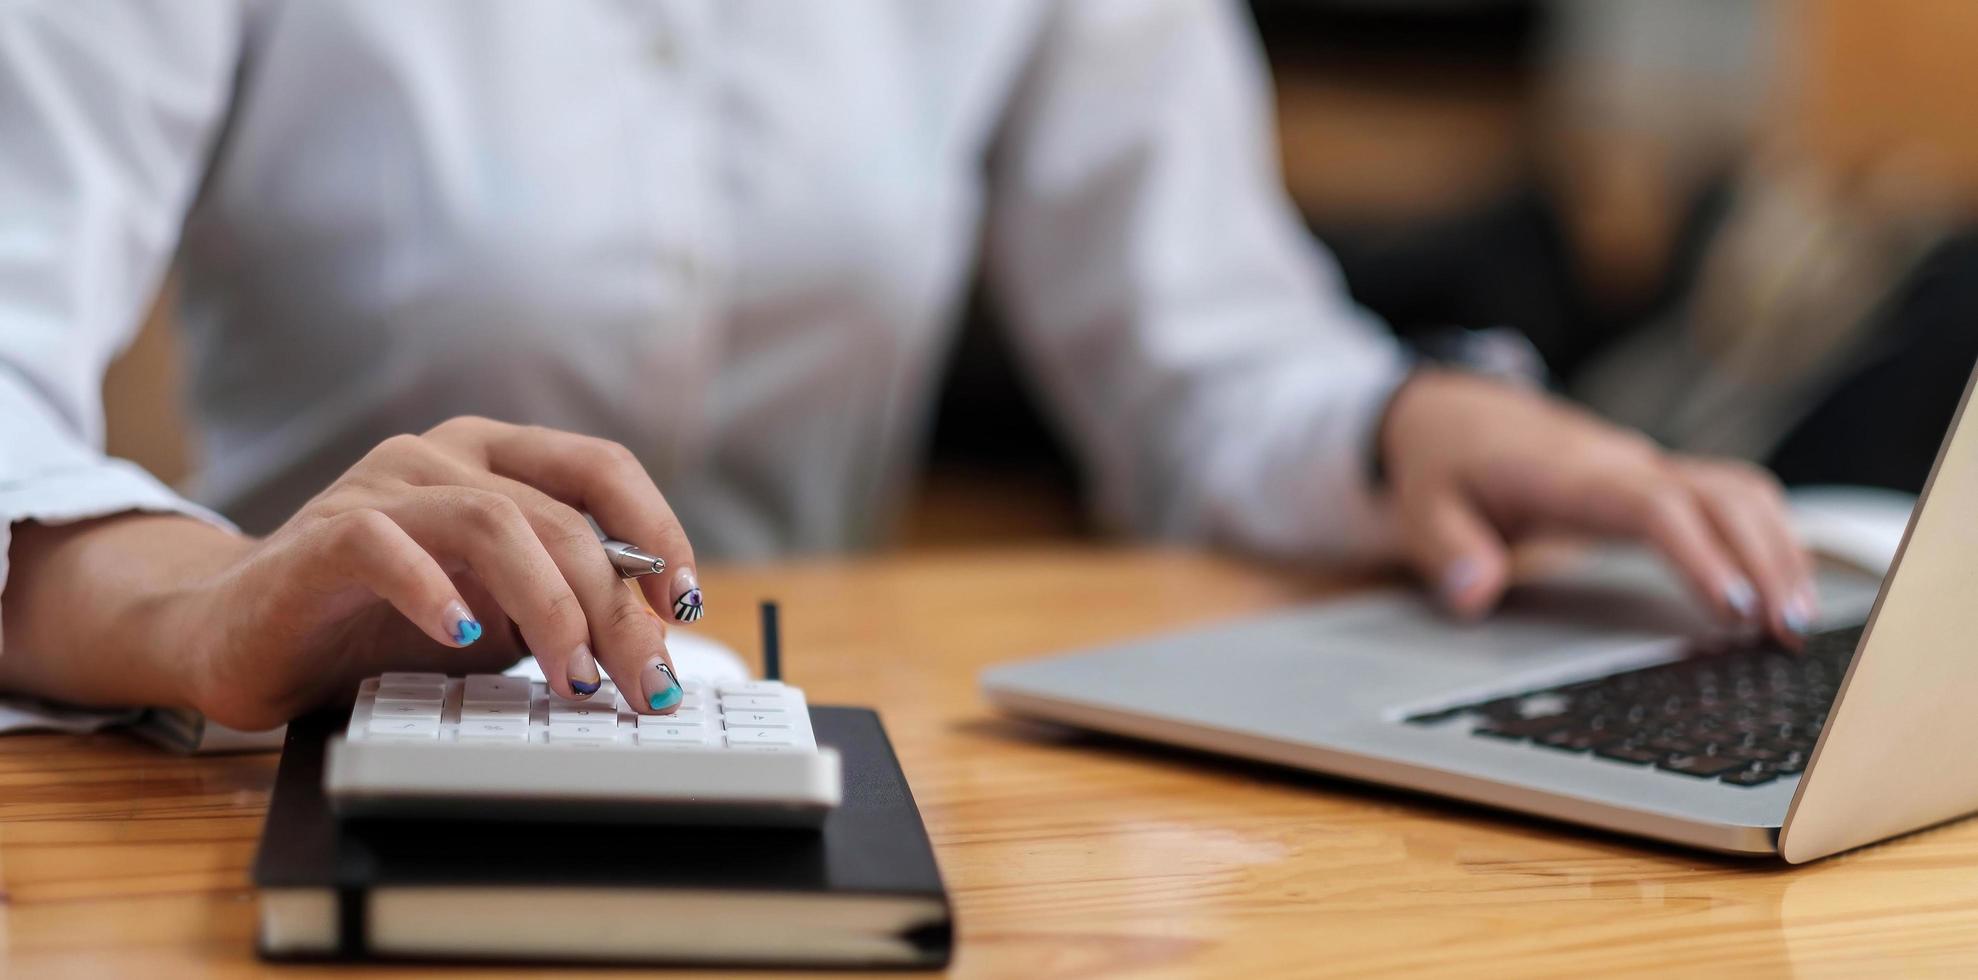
1067,856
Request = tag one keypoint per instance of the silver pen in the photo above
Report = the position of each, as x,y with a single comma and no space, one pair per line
631,560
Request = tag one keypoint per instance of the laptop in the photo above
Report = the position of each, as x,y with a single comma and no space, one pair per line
1595,700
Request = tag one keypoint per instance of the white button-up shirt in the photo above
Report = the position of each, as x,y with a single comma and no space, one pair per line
728,234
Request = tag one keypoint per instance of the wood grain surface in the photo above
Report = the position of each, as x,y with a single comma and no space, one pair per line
1068,856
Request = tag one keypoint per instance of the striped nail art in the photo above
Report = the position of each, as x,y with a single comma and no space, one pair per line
688,607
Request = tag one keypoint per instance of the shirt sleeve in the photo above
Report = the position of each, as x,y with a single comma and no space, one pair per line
1197,344
107,111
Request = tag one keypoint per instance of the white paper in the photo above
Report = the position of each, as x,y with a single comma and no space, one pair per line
695,658
1858,526
26,715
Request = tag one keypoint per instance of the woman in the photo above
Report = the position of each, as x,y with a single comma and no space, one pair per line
724,239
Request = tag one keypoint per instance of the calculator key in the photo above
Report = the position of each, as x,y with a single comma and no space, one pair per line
760,736
665,746
572,732
407,709
676,719
689,734
759,688
574,711
678,713
494,710
766,748
494,731
494,687
404,693
414,728
756,719
409,677
754,703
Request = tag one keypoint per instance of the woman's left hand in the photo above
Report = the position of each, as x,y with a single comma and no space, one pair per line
1474,465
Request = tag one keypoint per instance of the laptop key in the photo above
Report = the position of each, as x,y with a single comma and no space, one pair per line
1525,728
1630,752
1750,777
1753,753
1674,746
1570,740
1703,766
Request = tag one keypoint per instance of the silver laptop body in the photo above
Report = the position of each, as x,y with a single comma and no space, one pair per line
1368,689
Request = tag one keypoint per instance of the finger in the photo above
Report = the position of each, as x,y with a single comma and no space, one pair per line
1669,517
658,685
569,670
605,480
628,640
1762,539
489,532
1457,551
366,547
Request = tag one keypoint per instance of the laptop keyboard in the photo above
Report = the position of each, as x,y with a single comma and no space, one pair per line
1745,718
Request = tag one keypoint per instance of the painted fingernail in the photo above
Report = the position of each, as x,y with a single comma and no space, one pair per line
1458,578
460,624
583,671
687,605
662,690
1742,597
1798,615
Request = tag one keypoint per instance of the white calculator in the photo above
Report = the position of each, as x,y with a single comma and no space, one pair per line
498,747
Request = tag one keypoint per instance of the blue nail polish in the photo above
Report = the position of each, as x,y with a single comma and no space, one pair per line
584,687
466,631
666,699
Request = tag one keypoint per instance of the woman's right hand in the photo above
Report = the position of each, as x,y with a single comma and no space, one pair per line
456,550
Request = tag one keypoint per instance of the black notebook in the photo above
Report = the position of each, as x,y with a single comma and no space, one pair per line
862,892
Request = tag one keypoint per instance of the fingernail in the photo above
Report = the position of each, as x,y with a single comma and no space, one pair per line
1742,597
662,690
1798,615
460,624
583,671
687,605
1458,578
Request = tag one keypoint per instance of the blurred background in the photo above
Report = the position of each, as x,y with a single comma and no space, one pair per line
1744,226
